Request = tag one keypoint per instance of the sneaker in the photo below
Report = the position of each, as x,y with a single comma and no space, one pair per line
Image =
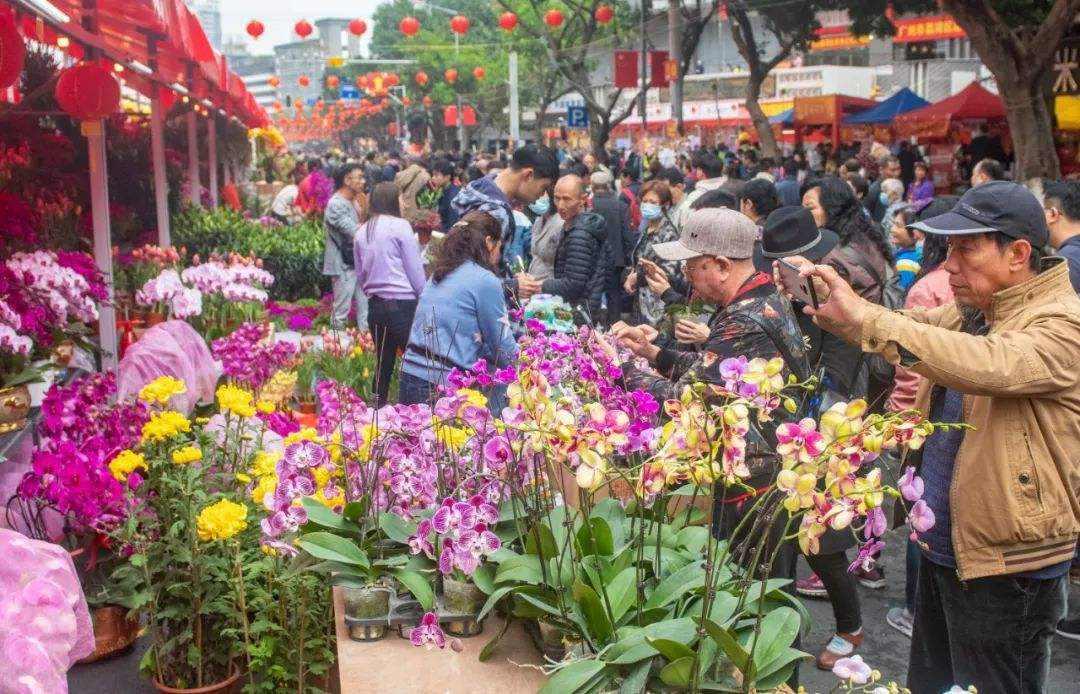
1069,628
873,579
900,619
811,587
841,646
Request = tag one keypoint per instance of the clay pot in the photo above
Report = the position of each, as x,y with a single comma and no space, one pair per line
14,406
226,686
113,632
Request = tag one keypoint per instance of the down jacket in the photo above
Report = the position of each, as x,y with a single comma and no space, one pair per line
582,263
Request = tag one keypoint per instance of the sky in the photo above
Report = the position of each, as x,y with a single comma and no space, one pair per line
279,16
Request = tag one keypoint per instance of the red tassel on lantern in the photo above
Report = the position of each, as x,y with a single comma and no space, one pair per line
88,91
12,52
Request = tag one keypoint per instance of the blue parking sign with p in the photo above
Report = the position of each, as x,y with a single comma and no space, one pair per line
577,117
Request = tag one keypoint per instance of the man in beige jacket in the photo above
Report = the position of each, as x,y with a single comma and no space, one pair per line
1002,493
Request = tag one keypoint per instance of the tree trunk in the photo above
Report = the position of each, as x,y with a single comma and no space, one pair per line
544,103
760,120
1030,123
675,54
599,132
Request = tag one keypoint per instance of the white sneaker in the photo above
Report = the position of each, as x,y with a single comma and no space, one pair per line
900,619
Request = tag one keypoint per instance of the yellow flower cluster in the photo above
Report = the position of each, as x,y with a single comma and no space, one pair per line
164,425
278,389
305,434
126,463
161,390
236,400
187,454
263,470
221,520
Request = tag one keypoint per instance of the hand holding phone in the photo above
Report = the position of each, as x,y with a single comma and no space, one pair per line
798,287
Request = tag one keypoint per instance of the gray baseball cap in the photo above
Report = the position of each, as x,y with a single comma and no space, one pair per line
715,231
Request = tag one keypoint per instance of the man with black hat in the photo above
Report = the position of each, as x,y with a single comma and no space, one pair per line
998,520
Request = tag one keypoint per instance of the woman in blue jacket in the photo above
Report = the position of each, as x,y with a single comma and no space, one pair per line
462,315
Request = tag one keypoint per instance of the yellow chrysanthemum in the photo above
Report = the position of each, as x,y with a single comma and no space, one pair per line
279,387
305,434
265,406
264,463
161,390
221,521
266,485
187,454
165,425
236,400
125,463
242,478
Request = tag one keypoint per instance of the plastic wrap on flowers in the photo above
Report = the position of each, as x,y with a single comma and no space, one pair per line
44,622
172,348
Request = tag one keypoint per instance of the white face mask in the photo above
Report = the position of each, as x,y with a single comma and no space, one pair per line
541,205
651,210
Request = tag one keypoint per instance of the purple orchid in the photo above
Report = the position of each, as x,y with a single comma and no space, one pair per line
428,633
921,516
911,485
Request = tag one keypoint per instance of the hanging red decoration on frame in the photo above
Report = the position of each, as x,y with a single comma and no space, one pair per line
479,72
12,52
451,75
409,26
357,27
274,81
255,28
304,80
427,101
421,78
604,14
553,18
303,28
88,91
391,79
459,24
333,81
508,21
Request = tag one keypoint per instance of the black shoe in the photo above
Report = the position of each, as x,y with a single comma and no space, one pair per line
1069,628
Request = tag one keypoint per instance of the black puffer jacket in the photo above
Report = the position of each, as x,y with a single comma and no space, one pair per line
582,263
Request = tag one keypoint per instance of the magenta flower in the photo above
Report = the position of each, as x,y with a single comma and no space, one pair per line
921,517
911,485
419,542
452,515
305,454
876,523
799,442
867,556
428,633
497,451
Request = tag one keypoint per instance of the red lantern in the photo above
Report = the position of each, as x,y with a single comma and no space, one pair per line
274,81
357,27
303,29
255,28
333,81
604,14
362,81
409,26
12,52
508,20
391,79
459,24
88,91
450,75
304,80
553,18
406,101
421,78
278,106
427,101
479,72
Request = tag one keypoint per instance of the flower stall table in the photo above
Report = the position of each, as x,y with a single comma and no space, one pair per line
395,665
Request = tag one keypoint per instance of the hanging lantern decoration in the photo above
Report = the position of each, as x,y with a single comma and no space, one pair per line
409,26
421,78
303,28
88,91
362,81
12,52
333,81
278,106
357,27
391,79
427,101
450,75
508,21
604,14
479,72
459,24
553,18
274,81
304,80
406,101
255,29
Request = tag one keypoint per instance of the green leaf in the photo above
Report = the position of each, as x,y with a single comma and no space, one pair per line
677,673
418,586
672,650
635,682
692,538
595,538
489,648
494,598
574,677
396,528
632,645
354,510
596,617
544,546
777,633
612,511
520,569
323,517
780,663
731,647
622,592
331,547
676,585
484,578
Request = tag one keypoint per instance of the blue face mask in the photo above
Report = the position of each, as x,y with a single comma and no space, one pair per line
884,198
651,210
541,206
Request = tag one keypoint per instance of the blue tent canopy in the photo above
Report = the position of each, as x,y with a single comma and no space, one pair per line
901,102
784,117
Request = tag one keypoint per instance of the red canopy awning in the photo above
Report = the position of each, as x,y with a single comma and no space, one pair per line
974,102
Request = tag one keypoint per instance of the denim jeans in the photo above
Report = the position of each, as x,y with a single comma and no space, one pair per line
991,632
413,390
390,321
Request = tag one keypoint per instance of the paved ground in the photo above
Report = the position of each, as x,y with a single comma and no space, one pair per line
884,648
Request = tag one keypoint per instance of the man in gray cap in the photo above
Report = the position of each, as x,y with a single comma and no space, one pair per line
620,238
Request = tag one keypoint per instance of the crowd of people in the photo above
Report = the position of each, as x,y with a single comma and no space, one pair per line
965,308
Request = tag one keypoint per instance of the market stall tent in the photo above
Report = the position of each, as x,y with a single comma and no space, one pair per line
885,112
973,102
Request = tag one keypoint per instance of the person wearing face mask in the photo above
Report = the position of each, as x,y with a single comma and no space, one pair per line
547,231
656,228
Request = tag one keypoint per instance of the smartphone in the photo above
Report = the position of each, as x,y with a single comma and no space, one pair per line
800,288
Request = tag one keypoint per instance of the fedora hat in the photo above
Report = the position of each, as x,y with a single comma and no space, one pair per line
791,231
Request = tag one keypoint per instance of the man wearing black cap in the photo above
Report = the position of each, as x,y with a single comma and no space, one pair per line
999,515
